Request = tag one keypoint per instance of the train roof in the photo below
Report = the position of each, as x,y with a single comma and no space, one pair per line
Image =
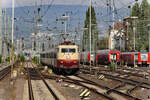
49,50
67,43
107,50
86,51
67,46
129,52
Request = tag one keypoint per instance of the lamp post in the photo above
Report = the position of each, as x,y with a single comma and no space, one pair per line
65,18
134,31
90,29
13,16
149,38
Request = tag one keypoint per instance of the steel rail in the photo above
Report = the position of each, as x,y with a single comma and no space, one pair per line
4,72
44,81
91,89
31,97
121,79
111,89
128,81
49,88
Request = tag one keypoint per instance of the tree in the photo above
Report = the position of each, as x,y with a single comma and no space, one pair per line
143,14
143,22
135,10
102,44
86,33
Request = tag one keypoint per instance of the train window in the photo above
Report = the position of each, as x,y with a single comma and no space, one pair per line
49,55
144,56
52,54
57,50
113,56
72,50
64,50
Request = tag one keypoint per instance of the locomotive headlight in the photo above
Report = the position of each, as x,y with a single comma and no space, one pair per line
75,62
61,62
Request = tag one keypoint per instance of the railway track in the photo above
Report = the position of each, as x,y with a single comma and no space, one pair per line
31,97
84,82
34,72
143,84
80,83
119,71
4,72
110,90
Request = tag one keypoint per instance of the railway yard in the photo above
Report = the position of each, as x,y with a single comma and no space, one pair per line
34,82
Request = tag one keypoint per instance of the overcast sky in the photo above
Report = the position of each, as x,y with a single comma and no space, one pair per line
7,3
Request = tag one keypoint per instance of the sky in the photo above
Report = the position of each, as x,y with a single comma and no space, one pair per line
7,3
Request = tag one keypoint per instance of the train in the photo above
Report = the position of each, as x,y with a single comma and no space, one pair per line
85,57
62,59
100,57
106,57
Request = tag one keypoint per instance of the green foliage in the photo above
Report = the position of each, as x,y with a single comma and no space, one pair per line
136,10
0,58
7,59
102,44
22,58
112,66
86,33
143,13
35,60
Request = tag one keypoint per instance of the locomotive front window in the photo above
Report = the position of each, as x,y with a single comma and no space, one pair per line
69,50
64,50
72,50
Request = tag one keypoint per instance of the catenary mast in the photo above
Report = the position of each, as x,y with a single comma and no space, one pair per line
0,27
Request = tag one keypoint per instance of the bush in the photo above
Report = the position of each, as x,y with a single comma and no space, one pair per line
112,66
22,58
35,60
7,59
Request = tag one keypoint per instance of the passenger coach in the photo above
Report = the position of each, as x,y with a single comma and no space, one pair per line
107,56
85,57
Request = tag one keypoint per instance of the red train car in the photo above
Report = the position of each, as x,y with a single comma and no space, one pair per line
85,57
143,58
107,56
127,58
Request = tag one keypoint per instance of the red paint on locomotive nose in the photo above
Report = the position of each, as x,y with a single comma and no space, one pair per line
68,63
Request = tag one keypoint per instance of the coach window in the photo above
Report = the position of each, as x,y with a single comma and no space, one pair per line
52,54
57,49
72,50
48,55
